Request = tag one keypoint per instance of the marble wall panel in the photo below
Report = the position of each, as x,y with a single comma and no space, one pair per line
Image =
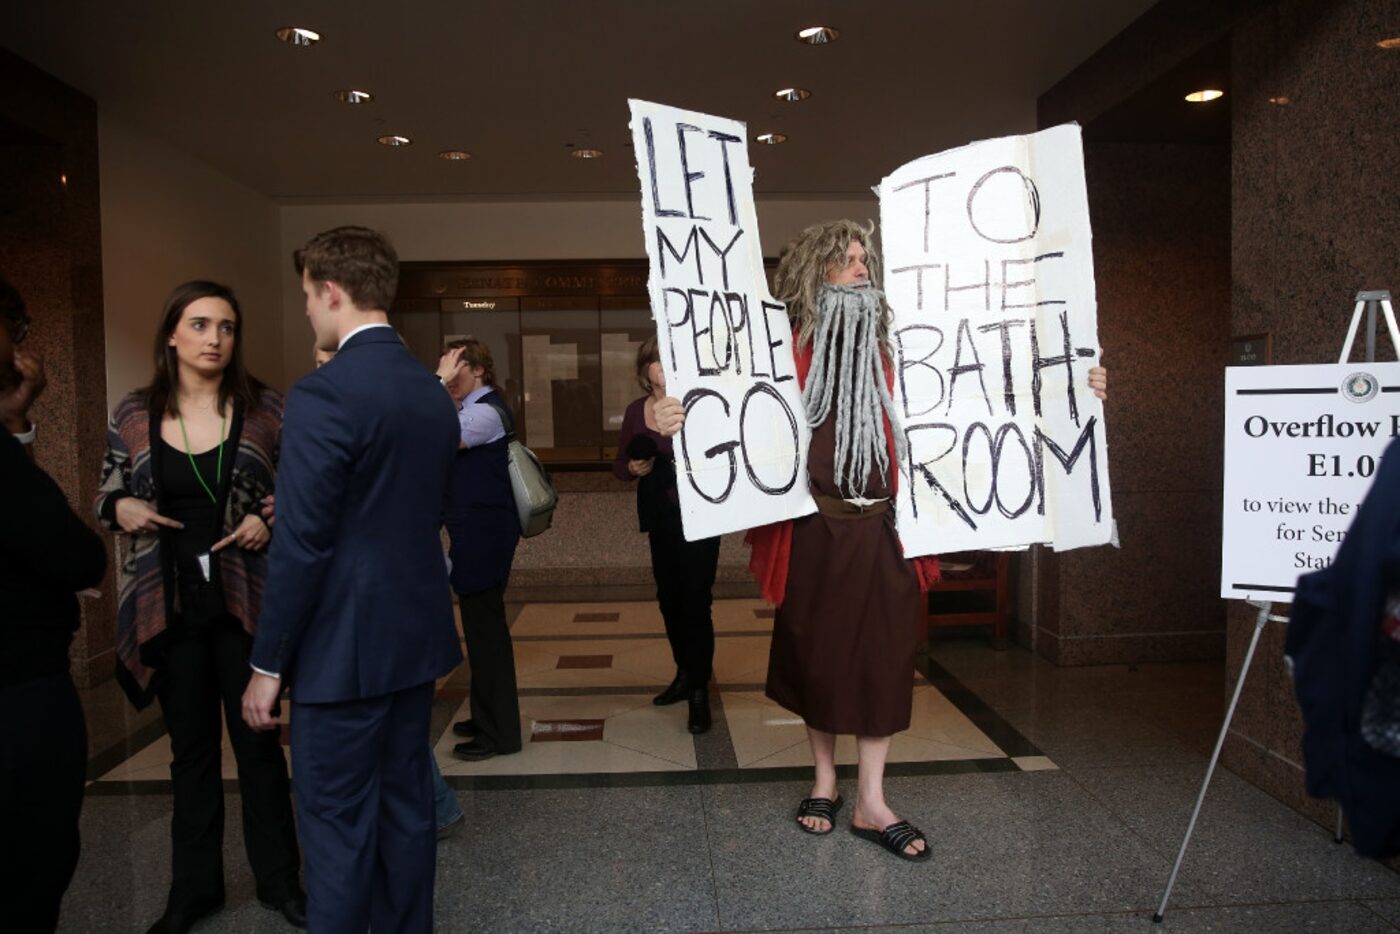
50,249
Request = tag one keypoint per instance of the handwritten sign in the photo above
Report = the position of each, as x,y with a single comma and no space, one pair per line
725,344
989,272
1301,446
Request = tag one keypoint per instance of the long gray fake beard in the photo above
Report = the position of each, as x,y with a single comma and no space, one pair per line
847,368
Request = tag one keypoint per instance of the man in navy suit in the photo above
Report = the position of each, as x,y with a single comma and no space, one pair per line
357,613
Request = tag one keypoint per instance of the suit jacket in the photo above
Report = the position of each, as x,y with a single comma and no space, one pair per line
356,602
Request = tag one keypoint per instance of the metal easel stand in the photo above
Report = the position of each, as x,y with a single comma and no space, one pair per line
1259,622
1368,302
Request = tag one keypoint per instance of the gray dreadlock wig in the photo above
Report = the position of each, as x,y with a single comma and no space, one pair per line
847,328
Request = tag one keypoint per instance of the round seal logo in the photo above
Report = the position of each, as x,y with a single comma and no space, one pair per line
1360,387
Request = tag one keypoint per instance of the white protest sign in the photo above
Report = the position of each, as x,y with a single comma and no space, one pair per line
726,347
989,271
1301,446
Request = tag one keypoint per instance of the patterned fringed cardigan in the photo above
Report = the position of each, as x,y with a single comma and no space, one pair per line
147,600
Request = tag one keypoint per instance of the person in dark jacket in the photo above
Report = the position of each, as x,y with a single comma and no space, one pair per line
46,554
484,529
447,810
684,571
1334,638
356,617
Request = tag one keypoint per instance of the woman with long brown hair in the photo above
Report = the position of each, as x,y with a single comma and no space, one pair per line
191,459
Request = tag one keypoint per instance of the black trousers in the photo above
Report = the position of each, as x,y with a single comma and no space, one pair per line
43,765
494,704
206,668
685,581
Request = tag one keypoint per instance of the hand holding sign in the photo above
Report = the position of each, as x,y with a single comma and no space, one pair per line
670,415
1098,382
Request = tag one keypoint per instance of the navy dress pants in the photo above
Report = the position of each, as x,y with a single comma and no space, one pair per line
364,794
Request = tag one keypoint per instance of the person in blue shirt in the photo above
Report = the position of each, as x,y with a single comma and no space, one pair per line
484,529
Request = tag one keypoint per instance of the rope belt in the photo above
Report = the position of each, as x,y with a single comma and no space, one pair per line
835,508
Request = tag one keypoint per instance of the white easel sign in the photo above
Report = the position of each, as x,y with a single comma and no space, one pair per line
989,271
725,344
1301,446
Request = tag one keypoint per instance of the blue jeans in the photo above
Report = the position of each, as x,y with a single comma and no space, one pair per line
446,808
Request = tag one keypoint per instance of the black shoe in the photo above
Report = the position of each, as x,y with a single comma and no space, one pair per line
699,711
180,920
451,827
677,691
465,728
474,750
293,908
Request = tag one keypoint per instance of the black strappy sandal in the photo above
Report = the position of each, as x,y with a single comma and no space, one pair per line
822,809
895,838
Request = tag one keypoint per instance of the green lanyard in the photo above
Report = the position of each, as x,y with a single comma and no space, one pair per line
219,476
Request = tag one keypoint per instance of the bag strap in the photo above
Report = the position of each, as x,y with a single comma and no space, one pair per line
507,420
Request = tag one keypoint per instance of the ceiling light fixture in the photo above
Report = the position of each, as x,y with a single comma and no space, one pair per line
586,153
299,36
1282,100
454,155
351,96
395,140
1208,94
770,139
817,35
1392,43
792,95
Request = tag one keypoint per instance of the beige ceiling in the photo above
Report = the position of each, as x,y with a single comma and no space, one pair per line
515,81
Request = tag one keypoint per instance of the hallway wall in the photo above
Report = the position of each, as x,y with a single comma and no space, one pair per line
1160,210
167,218
517,230
50,250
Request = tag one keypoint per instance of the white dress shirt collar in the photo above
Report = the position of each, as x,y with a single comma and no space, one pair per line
363,327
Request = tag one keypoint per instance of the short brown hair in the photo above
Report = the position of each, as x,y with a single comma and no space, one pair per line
359,260
647,354
475,353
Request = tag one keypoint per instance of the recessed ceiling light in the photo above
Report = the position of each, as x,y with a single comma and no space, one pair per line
792,94
817,35
1392,43
350,96
770,139
586,153
1208,94
395,140
1282,100
299,36
454,155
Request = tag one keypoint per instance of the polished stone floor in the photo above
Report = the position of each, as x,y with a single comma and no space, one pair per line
1054,800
